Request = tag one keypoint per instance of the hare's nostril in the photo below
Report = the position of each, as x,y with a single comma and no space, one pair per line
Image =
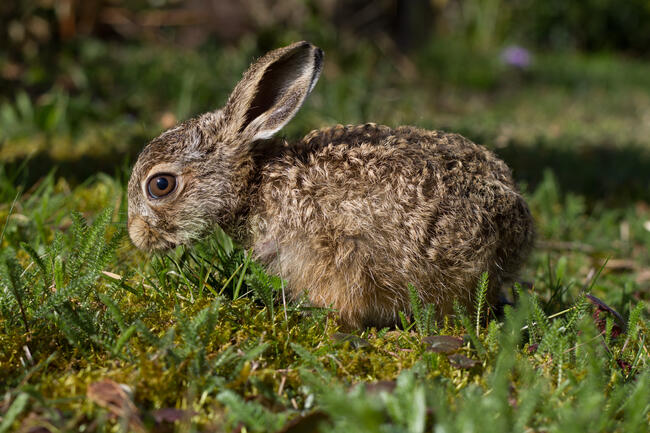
145,235
139,231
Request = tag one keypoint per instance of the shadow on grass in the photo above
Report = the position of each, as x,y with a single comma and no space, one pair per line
615,175
28,172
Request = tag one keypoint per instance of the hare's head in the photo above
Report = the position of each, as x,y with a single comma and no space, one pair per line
196,174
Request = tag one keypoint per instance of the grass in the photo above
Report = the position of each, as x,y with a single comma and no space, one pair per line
96,336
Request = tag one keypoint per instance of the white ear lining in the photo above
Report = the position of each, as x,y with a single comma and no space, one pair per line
262,133
265,133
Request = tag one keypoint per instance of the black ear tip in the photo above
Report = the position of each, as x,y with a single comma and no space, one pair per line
318,55
318,58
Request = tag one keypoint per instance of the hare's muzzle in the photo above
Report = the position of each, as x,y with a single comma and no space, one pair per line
145,236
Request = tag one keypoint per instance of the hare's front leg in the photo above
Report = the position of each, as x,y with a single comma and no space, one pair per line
337,275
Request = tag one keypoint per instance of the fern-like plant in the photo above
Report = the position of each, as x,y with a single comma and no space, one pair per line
59,286
423,315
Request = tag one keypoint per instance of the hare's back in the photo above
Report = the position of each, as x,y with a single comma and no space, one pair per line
407,155
371,179
447,152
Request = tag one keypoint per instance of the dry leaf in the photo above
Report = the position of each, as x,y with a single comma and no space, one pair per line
306,424
443,343
532,348
600,316
461,361
170,414
111,396
355,341
381,385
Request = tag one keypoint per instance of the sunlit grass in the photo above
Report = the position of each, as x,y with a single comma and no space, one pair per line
202,339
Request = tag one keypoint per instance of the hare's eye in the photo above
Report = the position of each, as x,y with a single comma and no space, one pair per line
160,185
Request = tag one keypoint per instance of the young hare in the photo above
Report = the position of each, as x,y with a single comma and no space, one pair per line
350,215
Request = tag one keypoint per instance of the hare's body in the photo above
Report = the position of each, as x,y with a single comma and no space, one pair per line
352,215
349,216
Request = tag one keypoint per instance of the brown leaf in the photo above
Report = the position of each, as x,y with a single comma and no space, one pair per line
532,348
111,396
35,423
601,311
443,343
306,424
355,341
624,365
381,385
461,361
170,414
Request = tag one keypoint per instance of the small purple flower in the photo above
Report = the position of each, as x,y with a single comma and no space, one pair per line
516,56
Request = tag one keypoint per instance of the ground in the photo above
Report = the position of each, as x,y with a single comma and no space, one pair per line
101,337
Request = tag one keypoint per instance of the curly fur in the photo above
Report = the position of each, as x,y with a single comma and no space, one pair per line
350,214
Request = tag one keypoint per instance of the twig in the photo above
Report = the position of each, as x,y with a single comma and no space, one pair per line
552,316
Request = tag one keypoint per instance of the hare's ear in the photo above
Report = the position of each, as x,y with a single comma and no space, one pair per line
272,91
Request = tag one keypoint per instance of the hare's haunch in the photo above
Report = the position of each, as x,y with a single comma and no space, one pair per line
350,215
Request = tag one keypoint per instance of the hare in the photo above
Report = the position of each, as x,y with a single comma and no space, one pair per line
349,216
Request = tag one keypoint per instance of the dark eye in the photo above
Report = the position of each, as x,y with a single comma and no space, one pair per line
160,185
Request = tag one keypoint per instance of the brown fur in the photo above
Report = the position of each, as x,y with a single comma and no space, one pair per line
350,215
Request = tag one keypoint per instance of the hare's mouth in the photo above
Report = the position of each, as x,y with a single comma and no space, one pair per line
146,237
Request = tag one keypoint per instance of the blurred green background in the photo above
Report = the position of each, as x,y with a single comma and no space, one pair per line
546,84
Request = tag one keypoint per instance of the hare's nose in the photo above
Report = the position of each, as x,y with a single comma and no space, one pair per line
141,233
145,237
138,231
